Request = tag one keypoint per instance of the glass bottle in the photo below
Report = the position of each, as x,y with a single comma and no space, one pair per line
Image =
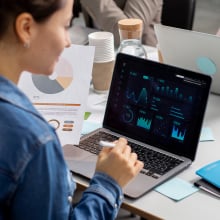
130,32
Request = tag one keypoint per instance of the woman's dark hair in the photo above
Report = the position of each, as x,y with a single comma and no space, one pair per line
39,9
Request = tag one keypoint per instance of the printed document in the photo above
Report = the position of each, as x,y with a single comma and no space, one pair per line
62,97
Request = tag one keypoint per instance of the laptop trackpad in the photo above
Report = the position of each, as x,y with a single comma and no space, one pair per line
139,185
80,161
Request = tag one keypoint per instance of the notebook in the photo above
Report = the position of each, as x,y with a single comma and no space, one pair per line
158,108
191,50
211,173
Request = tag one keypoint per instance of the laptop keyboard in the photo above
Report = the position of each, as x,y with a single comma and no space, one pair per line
156,163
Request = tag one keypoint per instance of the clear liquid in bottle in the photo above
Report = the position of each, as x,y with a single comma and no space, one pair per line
130,31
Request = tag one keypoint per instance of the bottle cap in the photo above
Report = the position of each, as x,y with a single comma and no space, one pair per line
130,28
130,24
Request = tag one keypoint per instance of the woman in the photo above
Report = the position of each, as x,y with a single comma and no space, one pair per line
34,180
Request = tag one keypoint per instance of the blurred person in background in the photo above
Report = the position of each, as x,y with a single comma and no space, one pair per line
105,14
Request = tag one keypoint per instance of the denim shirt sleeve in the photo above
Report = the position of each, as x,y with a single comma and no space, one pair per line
43,189
101,200
34,184
34,179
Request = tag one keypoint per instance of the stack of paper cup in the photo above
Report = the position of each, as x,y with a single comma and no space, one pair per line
103,60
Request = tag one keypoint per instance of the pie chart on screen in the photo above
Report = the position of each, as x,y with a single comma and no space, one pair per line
58,81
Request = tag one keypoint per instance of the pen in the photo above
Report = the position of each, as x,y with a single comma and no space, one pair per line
106,144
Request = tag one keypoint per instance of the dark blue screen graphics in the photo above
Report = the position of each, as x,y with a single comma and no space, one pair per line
156,104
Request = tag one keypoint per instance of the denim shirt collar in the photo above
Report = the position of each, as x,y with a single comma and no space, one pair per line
10,93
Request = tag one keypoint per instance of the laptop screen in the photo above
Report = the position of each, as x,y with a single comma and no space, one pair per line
157,104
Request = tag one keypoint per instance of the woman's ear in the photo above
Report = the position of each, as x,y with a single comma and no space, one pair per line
23,27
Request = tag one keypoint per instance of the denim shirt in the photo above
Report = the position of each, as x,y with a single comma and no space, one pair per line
34,180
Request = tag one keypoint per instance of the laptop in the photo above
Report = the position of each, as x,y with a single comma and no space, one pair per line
191,50
159,109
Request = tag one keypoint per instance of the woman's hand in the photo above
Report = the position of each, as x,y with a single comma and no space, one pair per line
119,162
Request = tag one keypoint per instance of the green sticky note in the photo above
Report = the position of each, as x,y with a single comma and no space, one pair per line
86,115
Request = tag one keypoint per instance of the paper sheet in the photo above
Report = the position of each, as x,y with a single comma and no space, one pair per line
176,189
206,134
90,126
62,96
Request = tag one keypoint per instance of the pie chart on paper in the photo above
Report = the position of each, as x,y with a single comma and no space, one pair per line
58,81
